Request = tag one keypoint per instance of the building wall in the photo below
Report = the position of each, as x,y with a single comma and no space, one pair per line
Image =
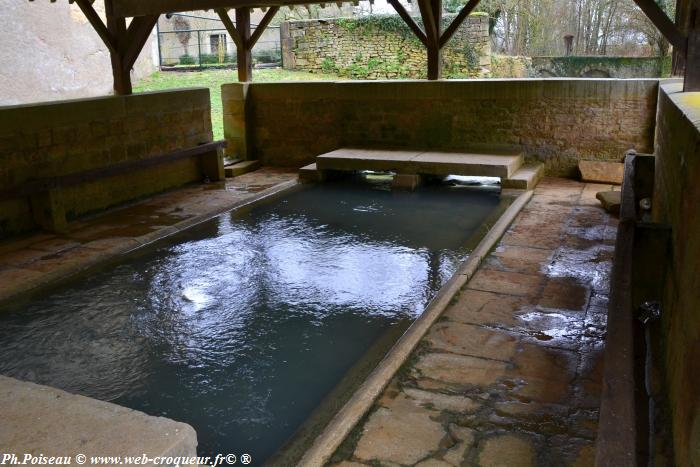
50,52
555,121
38,142
677,203
381,46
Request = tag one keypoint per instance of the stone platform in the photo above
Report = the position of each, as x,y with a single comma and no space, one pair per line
508,164
510,375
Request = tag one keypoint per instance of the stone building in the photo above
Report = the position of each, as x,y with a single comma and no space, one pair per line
55,54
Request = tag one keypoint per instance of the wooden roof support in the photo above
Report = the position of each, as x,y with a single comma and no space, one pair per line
664,24
136,36
228,24
457,22
431,11
260,29
244,54
97,24
409,21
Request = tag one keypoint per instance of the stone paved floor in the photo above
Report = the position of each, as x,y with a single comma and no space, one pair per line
40,258
510,374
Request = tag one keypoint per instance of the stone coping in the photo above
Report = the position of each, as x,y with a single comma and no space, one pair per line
39,260
352,412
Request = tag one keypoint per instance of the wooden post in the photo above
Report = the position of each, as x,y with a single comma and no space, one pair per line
117,28
431,12
691,83
244,54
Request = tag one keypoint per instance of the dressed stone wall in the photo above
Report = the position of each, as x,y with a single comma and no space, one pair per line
381,46
677,203
43,141
556,121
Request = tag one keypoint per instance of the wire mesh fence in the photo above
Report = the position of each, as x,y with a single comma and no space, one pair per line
211,48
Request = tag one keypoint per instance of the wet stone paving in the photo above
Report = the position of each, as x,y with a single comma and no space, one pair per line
37,259
510,374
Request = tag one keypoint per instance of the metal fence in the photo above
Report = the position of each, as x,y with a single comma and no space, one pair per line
210,48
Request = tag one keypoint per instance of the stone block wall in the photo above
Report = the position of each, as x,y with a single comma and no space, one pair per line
676,202
380,47
555,121
598,67
42,141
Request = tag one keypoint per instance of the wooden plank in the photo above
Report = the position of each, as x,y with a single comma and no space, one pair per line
409,21
262,25
457,22
233,32
137,35
97,24
664,24
36,186
132,8
244,55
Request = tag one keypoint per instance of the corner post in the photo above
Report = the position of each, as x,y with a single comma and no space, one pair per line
691,82
244,55
122,75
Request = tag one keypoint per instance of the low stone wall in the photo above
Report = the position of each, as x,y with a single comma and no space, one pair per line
677,203
556,121
598,67
43,141
381,46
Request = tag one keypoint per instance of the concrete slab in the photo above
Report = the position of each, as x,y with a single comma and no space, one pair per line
43,420
478,165
364,159
420,162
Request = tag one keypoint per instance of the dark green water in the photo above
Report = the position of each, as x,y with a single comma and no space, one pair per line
242,325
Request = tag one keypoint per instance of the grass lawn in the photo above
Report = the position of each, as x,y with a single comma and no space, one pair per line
213,79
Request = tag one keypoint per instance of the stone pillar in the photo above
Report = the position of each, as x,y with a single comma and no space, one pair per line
407,181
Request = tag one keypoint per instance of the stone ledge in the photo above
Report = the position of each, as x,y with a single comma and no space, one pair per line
43,420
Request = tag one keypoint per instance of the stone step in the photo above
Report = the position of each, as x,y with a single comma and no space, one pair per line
479,163
241,168
310,174
526,178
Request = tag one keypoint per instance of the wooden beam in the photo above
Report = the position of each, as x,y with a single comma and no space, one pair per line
233,32
262,25
457,22
133,8
244,55
409,21
137,35
97,24
664,24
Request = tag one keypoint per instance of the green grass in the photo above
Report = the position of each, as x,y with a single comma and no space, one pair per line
213,79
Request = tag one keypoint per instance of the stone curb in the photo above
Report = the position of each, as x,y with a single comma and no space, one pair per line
360,403
140,242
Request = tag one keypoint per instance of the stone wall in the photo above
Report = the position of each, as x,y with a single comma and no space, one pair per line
49,51
381,46
598,67
555,121
56,139
677,203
